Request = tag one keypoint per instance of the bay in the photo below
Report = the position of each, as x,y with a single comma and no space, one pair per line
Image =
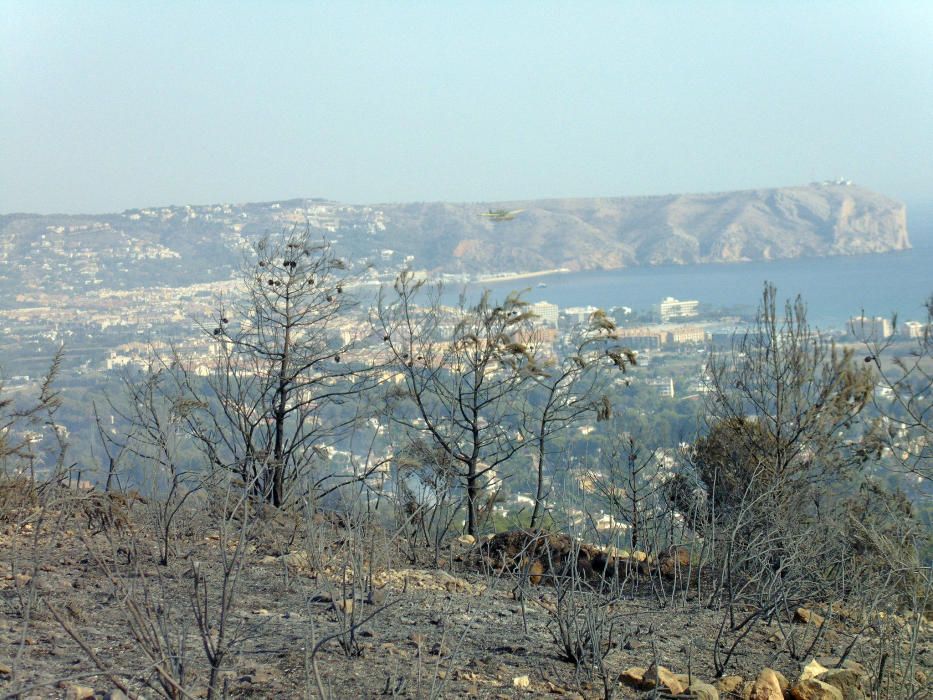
834,288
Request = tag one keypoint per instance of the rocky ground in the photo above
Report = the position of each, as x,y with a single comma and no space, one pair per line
85,613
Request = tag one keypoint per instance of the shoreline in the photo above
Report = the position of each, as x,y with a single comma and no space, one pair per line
509,276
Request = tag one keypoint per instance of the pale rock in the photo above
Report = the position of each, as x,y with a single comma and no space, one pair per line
814,689
766,686
467,540
635,676
730,684
808,617
703,691
521,682
389,649
78,692
852,684
812,670
663,676
782,681
777,638
298,560
832,662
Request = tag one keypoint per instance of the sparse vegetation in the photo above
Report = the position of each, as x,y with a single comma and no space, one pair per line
767,544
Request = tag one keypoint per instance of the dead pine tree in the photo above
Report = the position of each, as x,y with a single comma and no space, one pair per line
280,360
464,371
565,388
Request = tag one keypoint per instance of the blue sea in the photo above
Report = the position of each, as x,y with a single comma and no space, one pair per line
834,288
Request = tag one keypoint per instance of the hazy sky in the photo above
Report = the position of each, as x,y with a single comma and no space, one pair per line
111,105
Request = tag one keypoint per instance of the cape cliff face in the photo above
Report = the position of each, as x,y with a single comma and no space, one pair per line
606,233
180,245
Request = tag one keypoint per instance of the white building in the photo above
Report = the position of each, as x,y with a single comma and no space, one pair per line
579,314
877,328
546,313
913,329
664,387
674,308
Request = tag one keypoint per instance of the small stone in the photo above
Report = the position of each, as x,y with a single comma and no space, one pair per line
467,540
808,617
78,692
521,682
777,638
116,694
5,670
635,677
260,674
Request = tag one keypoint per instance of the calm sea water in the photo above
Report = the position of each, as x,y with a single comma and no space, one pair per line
834,288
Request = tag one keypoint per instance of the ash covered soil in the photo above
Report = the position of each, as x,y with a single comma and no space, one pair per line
87,610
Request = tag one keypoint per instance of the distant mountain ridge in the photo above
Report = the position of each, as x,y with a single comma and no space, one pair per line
192,244
606,233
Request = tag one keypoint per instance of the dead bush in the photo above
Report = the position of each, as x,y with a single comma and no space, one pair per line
18,496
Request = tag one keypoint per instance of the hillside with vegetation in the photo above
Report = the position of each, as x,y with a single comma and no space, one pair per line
316,509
